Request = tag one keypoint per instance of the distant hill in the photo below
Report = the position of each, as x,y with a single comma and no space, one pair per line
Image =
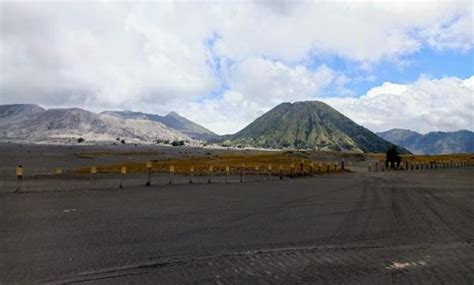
310,125
35,124
172,120
432,143
18,112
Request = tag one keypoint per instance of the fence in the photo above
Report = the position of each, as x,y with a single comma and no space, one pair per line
95,178
98,178
415,166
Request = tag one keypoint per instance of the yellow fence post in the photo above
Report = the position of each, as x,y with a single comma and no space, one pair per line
227,172
292,170
93,172
210,169
191,174
123,172
171,174
19,178
269,168
148,169
59,173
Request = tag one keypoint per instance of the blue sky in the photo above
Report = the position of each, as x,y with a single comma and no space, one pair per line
223,64
426,62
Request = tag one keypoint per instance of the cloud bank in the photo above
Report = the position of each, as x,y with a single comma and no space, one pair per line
223,64
426,105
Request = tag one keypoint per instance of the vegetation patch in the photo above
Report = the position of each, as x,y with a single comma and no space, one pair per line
290,162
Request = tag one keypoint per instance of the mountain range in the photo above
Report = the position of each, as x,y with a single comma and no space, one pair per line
299,125
308,125
432,143
25,122
173,120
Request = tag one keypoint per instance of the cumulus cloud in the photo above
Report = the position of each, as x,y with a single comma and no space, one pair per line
255,86
425,105
233,60
51,52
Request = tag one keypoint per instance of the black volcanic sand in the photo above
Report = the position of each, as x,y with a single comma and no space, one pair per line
367,228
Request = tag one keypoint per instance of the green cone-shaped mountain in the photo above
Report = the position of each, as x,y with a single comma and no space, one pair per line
309,125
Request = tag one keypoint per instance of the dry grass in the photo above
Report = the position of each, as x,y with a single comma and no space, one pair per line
252,163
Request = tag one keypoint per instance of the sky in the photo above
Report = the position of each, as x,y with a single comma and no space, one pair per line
222,64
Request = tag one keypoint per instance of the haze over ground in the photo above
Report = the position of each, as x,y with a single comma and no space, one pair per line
385,65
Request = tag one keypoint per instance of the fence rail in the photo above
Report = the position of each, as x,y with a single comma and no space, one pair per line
60,179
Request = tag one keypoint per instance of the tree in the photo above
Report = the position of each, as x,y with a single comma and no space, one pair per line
79,140
392,156
177,143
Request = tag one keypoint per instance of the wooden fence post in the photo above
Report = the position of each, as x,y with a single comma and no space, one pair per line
210,169
93,173
59,173
148,168
227,171
171,174
19,178
123,172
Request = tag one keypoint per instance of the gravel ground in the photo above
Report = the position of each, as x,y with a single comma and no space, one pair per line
355,228
392,227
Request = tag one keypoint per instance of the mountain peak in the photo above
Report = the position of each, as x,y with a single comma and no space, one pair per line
18,111
174,114
172,120
311,125
433,142
66,124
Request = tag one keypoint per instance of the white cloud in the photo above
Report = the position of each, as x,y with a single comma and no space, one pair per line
255,86
268,83
426,105
163,56
51,51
